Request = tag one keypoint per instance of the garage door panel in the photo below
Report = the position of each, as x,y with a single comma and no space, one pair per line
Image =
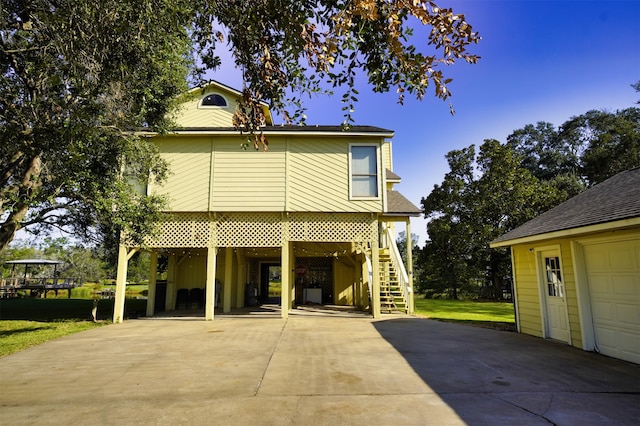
629,315
603,311
613,275
626,286
629,344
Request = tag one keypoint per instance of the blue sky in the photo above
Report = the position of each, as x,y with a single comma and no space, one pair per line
541,61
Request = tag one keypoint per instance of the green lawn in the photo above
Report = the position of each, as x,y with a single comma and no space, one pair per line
487,314
29,322
17,335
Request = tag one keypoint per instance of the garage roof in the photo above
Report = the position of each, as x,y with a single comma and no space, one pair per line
616,198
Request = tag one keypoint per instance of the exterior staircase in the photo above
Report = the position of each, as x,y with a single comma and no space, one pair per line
392,295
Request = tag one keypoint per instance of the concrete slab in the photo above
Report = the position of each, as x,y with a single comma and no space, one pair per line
312,369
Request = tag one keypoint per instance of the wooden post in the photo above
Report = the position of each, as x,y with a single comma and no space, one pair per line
121,284
228,280
153,276
409,242
211,284
375,284
286,280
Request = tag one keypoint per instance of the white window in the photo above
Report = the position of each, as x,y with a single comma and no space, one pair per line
364,171
553,276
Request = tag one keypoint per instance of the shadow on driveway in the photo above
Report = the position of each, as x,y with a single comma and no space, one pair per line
484,375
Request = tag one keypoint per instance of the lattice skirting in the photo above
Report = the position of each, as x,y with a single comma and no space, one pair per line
200,230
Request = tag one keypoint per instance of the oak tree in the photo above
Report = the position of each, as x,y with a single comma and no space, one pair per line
79,77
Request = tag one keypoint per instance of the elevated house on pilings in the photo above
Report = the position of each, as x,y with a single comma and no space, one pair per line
317,210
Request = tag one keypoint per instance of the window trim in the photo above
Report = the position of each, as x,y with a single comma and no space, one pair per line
378,176
201,106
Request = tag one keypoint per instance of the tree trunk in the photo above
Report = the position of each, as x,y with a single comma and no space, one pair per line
30,184
11,225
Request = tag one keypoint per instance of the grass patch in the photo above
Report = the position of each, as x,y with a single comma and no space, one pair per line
17,335
497,315
28,322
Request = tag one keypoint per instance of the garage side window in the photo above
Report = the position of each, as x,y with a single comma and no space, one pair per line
364,171
553,276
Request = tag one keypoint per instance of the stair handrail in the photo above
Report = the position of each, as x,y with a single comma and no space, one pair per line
396,259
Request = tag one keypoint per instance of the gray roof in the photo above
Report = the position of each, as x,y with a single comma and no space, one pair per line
285,128
616,198
391,176
398,204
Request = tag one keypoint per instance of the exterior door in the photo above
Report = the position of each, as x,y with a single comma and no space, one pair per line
554,295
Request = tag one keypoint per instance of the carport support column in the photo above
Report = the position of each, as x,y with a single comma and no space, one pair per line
210,283
228,280
375,284
121,282
409,245
286,279
153,276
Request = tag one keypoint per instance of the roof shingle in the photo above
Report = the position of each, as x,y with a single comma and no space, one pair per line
614,199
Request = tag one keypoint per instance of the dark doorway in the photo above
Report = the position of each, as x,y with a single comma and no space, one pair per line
270,282
161,296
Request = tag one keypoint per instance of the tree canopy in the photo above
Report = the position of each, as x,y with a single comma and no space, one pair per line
487,194
78,78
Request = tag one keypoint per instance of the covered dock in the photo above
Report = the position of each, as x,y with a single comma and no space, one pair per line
37,276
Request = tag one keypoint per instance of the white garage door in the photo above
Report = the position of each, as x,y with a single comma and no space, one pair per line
613,272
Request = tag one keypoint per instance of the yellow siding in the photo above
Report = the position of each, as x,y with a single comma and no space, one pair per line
191,115
320,169
188,184
527,290
387,160
213,173
248,180
344,277
191,271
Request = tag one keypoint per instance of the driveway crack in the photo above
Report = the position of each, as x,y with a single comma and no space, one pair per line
266,367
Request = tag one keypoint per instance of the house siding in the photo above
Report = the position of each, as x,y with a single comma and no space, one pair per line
320,169
248,180
187,186
215,174
190,115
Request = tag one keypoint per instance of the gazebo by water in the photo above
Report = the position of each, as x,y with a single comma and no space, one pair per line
46,278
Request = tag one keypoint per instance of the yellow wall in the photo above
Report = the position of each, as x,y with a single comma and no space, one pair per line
213,173
318,176
191,114
528,288
344,283
189,161
248,180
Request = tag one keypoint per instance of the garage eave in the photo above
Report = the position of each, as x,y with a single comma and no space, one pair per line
600,227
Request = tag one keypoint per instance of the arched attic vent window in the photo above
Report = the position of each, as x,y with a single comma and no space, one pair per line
213,100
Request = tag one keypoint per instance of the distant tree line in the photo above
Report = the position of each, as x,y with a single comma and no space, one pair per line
493,188
79,262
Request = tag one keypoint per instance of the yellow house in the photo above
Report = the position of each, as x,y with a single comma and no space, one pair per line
577,270
317,209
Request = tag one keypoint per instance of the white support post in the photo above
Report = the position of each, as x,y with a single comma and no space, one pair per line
153,277
286,280
375,285
211,284
409,243
228,280
121,284
240,278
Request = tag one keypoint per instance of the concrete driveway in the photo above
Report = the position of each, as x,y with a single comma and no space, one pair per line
320,370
